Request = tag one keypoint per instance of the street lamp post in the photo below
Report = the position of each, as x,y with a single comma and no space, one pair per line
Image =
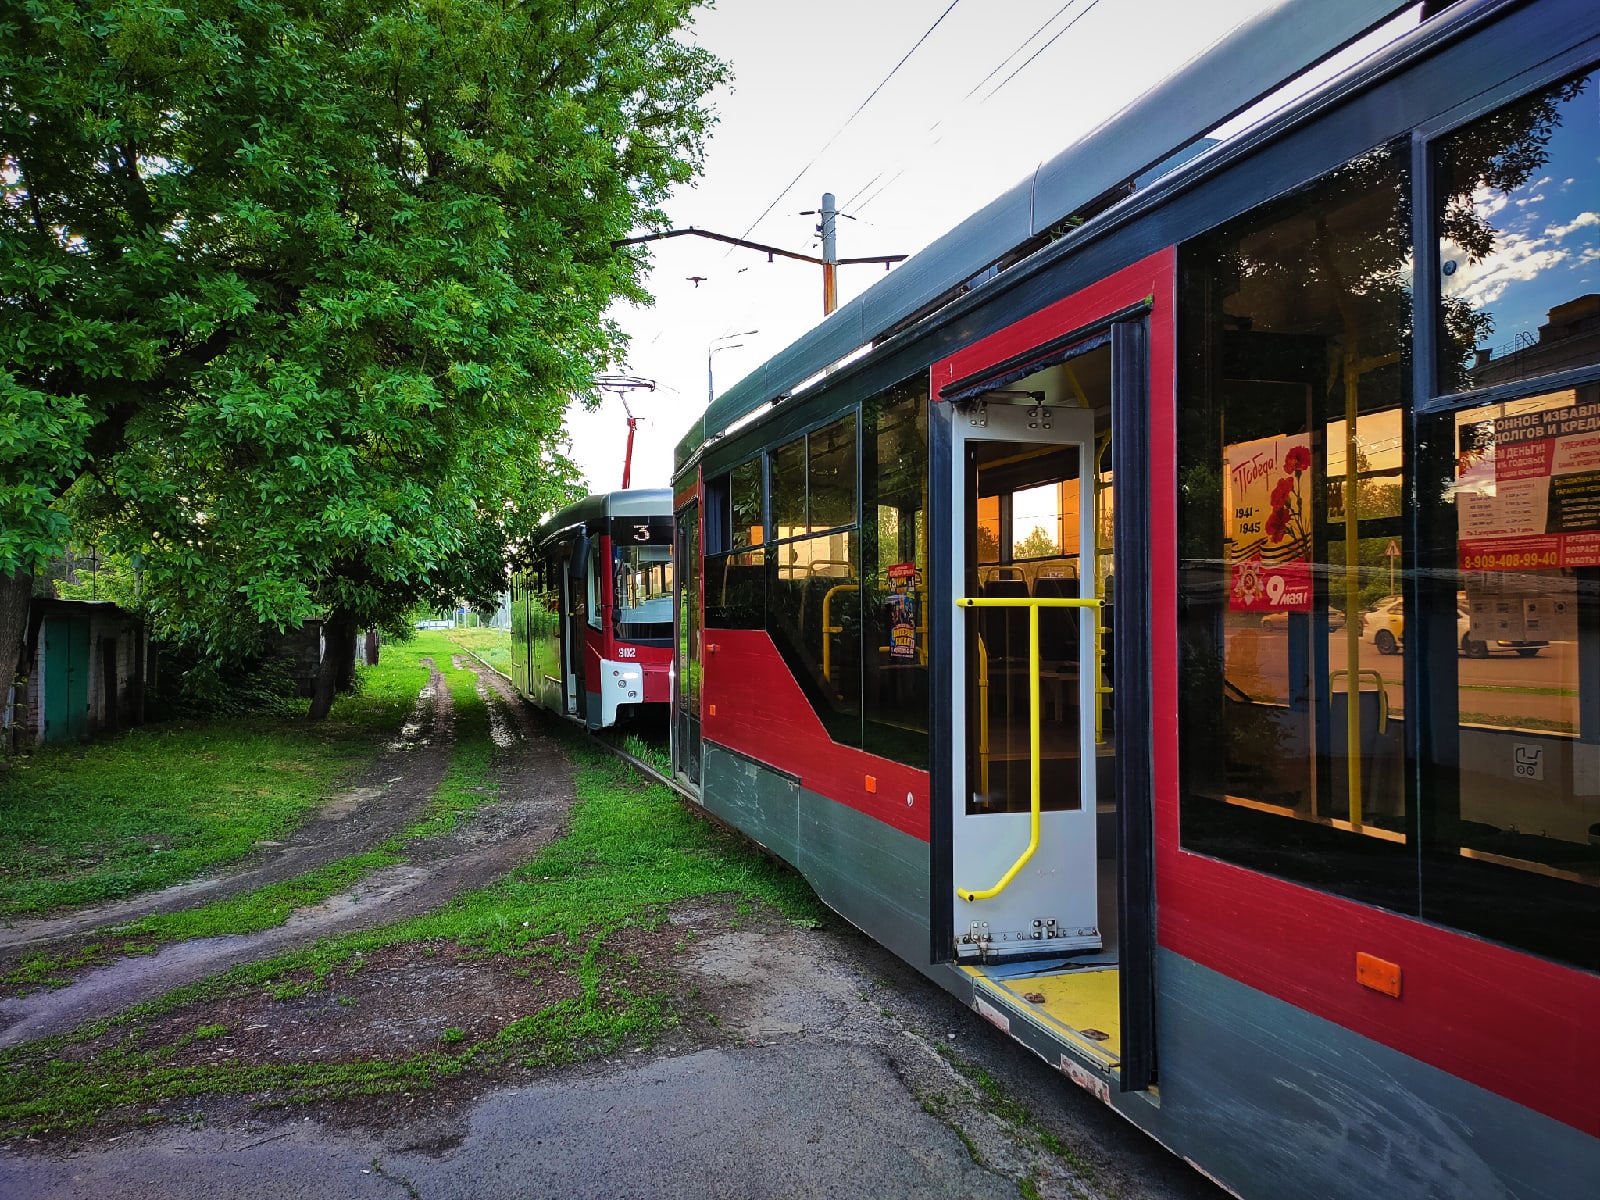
712,347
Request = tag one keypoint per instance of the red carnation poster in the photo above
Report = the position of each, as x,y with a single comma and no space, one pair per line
1267,493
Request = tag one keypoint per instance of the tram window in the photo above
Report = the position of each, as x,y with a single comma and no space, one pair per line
814,481
831,475
894,574
745,501
592,588
814,617
1519,243
643,603
1511,806
788,486
736,590
1295,394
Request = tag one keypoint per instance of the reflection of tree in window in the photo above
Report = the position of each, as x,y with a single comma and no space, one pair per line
746,501
1480,167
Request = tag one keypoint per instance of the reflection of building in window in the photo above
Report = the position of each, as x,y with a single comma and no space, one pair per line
1570,338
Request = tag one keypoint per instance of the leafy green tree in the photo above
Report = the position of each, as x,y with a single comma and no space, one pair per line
293,295
1038,544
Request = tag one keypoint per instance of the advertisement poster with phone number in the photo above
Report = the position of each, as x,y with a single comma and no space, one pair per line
1266,493
1528,491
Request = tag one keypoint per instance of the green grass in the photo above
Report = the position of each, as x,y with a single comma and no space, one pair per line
86,823
1517,691
1531,724
493,646
466,785
655,754
633,852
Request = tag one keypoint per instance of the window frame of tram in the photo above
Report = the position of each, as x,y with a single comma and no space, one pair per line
642,568
735,560
894,573
1276,352
1508,531
813,568
882,628
1483,843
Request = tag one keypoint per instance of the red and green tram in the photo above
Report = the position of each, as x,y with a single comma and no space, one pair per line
591,609
1027,606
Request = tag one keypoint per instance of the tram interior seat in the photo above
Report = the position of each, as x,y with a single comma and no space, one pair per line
1004,630
1058,627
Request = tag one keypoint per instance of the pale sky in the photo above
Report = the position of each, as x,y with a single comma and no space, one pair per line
950,131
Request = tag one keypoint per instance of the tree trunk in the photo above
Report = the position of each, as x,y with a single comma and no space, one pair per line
338,649
15,592
370,648
347,658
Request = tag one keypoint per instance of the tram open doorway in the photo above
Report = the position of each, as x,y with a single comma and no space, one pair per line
1034,846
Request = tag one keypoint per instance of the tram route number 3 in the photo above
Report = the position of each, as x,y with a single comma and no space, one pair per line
1527,761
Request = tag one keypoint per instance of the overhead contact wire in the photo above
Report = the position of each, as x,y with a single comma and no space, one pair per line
851,118
867,193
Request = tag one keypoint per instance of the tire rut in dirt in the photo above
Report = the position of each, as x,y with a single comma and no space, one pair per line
535,793
389,795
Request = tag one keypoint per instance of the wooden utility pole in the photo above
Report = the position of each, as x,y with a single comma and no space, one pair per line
830,254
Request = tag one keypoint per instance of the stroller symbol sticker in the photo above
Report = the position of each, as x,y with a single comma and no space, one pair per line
1527,761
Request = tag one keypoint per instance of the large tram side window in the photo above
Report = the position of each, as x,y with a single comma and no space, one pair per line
1509,510
1519,239
894,551
1292,412
814,572
736,584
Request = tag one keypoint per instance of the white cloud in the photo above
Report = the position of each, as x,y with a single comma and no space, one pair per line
1527,200
1578,222
1516,259
1486,201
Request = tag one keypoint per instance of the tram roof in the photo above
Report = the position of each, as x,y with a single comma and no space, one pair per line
597,506
1154,130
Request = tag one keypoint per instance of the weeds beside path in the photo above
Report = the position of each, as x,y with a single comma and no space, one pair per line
516,949
96,822
503,795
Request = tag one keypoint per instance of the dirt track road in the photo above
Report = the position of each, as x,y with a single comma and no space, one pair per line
805,1062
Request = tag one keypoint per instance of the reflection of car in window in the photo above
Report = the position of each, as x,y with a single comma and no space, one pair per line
1280,620
1384,623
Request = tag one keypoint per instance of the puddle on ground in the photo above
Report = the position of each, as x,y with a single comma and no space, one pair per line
411,732
500,732
129,980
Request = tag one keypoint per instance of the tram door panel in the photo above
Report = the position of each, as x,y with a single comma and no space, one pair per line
686,648
573,636
1027,706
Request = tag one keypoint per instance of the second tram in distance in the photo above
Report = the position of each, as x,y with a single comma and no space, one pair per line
591,613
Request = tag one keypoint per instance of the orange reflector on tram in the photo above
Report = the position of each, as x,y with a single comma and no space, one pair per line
872,784
1377,974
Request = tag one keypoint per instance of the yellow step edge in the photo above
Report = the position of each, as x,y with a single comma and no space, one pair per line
1074,1001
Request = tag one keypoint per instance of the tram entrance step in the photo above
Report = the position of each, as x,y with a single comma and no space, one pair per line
1076,1001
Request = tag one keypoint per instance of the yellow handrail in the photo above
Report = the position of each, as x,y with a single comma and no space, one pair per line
828,630
1033,605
